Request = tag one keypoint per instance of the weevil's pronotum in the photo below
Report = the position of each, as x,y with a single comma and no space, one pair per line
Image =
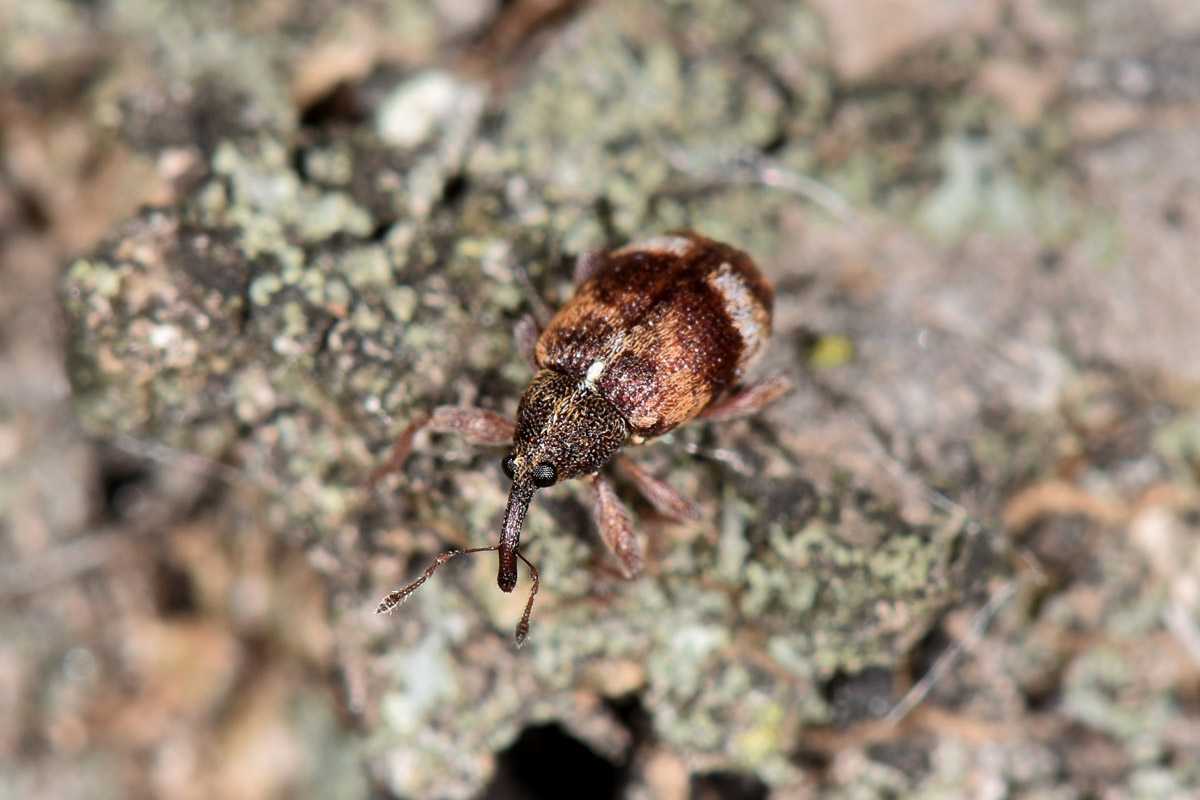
657,333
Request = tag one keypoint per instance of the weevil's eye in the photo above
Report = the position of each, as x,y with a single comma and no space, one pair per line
544,474
509,465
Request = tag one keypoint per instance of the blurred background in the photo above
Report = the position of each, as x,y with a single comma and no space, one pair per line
242,243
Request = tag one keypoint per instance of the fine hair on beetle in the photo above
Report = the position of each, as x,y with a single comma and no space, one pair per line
657,333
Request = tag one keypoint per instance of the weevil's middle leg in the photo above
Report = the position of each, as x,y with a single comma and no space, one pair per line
616,528
477,426
662,495
748,400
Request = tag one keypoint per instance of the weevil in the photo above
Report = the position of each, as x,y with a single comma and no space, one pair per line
657,333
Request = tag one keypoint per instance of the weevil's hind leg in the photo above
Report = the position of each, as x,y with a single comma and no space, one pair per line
587,265
616,528
477,425
748,400
526,333
662,495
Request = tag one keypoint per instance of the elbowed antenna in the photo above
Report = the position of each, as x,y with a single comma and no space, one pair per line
400,595
510,537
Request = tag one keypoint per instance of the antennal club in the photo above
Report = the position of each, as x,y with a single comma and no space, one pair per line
394,599
523,625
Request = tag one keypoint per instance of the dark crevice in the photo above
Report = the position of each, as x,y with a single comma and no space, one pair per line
728,786
30,208
547,762
378,234
340,105
861,696
174,591
455,190
125,481
927,651
775,145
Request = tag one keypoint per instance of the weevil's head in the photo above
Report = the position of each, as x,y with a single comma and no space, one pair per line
564,429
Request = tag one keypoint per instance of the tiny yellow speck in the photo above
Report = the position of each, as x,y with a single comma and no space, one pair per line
831,350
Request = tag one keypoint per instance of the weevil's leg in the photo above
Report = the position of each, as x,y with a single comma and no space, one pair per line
387,604
662,495
616,528
541,312
400,451
526,333
748,400
477,425
587,265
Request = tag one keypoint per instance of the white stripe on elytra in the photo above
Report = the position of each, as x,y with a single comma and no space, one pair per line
740,304
674,245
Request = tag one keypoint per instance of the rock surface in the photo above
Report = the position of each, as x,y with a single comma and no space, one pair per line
985,294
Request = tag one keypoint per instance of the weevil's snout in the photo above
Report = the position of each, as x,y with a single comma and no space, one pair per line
510,536
528,472
527,478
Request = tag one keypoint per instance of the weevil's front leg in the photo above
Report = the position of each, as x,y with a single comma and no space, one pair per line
748,400
400,451
477,425
616,528
662,495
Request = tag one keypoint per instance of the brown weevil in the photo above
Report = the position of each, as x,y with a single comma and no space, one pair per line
657,333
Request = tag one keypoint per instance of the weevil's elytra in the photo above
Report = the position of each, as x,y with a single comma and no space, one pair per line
657,333
662,328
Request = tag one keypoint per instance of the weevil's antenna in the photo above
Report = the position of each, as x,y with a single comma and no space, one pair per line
394,599
387,604
523,625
